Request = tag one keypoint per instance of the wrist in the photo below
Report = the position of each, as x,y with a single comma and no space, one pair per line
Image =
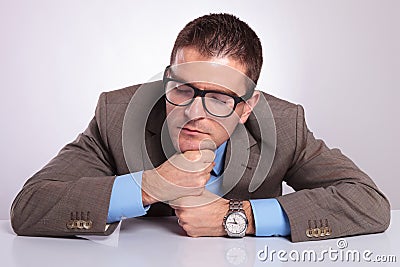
146,198
251,230
239,219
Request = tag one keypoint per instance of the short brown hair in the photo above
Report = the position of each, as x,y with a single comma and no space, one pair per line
219,35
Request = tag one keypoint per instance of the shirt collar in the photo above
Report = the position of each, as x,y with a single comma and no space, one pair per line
219,158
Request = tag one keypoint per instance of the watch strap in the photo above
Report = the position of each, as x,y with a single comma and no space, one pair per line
235,205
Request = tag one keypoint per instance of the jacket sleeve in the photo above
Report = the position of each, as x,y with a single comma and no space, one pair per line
333,197
71,194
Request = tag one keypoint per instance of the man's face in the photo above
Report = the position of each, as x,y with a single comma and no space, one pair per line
191,127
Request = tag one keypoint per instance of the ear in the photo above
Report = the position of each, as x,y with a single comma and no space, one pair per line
249,106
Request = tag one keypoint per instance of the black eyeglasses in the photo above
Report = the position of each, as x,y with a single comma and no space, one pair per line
216,103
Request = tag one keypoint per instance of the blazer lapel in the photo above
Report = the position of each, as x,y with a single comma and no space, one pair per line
241,160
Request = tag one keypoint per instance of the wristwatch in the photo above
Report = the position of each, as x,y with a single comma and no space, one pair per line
235,221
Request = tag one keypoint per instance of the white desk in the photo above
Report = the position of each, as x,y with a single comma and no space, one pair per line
161,242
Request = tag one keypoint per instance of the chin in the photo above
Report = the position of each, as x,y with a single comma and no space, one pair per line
195,144
188,145
183,148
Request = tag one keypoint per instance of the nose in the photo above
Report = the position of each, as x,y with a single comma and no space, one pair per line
195,110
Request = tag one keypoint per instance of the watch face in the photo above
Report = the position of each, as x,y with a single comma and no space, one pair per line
236,223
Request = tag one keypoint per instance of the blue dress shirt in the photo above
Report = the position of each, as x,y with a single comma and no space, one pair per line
126,201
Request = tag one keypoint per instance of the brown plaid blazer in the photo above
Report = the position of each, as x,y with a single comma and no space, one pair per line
70,195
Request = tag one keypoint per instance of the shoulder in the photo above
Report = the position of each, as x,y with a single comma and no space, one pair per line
282,108
278,110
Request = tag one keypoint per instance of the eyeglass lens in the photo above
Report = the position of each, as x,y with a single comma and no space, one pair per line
182,94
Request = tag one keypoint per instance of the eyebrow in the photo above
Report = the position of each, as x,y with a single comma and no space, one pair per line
221,90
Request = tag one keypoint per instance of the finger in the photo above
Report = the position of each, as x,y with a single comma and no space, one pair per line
203,155
192,161
193,201
207,155
178,212
180,203
210,167
207,173
175,205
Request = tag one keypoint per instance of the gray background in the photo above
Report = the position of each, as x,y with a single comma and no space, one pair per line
338,58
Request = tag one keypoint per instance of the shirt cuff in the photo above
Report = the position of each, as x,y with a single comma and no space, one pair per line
126,198
269,218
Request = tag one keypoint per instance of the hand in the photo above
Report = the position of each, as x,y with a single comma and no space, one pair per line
203,215
182,175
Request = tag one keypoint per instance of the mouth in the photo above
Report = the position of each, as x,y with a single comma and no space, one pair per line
191,131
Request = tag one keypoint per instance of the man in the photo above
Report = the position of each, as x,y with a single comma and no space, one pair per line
176,146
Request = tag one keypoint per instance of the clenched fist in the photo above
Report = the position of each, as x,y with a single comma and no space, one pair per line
184,174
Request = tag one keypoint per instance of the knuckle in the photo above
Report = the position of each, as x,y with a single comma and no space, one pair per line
182,217
206,177
209,154
186,227
194,192
192,234
201,182
189,230
199,191
178,213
